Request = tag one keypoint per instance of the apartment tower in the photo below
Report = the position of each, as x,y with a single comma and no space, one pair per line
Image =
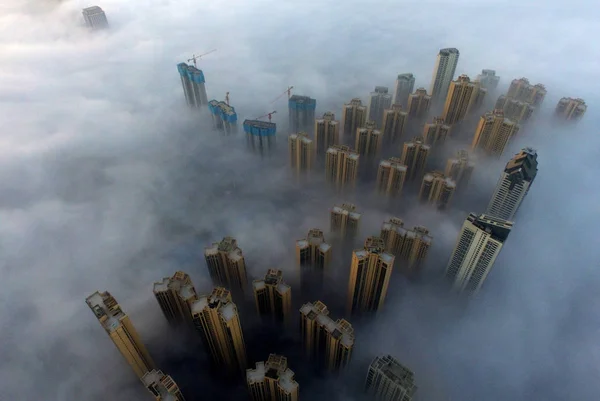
327,133
224,116
405,83
436,132
341,166
394,123
493,133
272,381
273,297
437,189
301,152
354,115
368,140
380,100
570,109
121,331
419,104
389,380
260,134
488,79
414,157
301,113
174,295
475,252
95,18
460,99
313,251
391,176
226,264
344,220
443,73
460,168
513,185
515,110
521,89
162,386
408,246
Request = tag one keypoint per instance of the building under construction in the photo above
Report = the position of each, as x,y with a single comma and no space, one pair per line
260,135
224,116
193,81
301,113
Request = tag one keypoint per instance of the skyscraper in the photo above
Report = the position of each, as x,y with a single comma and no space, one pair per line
380,100
493,133
272,381
301,151
394,123
477,247
488,79
226,264
218,324
313,251
443,73
478,99
570,109
418,104
174,295
389,380
461,95
95,18
328,342
344,220
192,80
513,185
272,296
410,247
521,89
391,176
162,386
515,110
436,132
370,274
327,133
460,168
301,113
414,157
405,84
354,115
437,189
121,331
224,116
341,166
260,134
368,140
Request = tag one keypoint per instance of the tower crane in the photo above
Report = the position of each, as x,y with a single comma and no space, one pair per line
270,115
227,98
288,91
194,57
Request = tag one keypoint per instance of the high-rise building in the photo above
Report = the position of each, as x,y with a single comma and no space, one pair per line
224,116
515,110
479,98
394,123
217,322
174,295
354,115
260,134
513,185
460,99
414,157
121,331
405,83
475,252
313,251
95,18
380,100
272,381
488,79
408,246
391,176
272,296
370,274
192,80
436,132
418,104
368,140
521,89
344,220
341,166
460,168
328,342
570,109
437,189
301,113
389,380
301,151
162,386
443,73
226,264
493,133
327,133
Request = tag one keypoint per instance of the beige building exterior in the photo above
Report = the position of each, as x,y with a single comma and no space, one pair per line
391,176
410,247
162,387
521,89
313,250
379,100
273,297
354,116
460,100
341,166
436,132
119,328
226,264
344,220
493,133
414,157
437,189
217,322
488,79
301,152
405,84
327,133
569,108
514,109
174,295
460,168
394,123
443,73
272,381
368,140
419,104
389,380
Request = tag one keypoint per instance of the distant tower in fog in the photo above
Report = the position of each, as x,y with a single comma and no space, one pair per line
394,123
418,104
354,115
521,89
226,264
301,152
327,133
174,295
461,97
162,386
460,168
437,189
341,166
345,220
493,133
408,246
516,110
414,157
273,298
488,79
391,176
192,80
443,73
380,100
301,113
475,252
224,116
370,274
368,140
313,257
570,109
95,18
436,132
388,380
260,134
272,381
513,185
405,84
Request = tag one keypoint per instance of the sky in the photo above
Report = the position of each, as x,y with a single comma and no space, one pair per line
109,182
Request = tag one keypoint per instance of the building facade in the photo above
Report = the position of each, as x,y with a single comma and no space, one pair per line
513,109
226,264
436,132
391,175
409,246
327,133
488,79
368,140
301,113
354,115
300,148
414,157
273,297
443,73
272,381
389,380
192,80
162,387
461,97
224,116
95,18
569,108
493,133
437,189
394,123
419,104
341,166
174,295
260,135
460,168
345,220
405,83
379,100
521,89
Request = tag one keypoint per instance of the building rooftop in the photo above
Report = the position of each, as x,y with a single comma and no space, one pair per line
324,247
154,382
228,311
93,10
107,310
283,288
498,229
259,285
523,166
302,243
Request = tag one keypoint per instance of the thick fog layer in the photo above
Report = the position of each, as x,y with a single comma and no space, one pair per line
109,182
